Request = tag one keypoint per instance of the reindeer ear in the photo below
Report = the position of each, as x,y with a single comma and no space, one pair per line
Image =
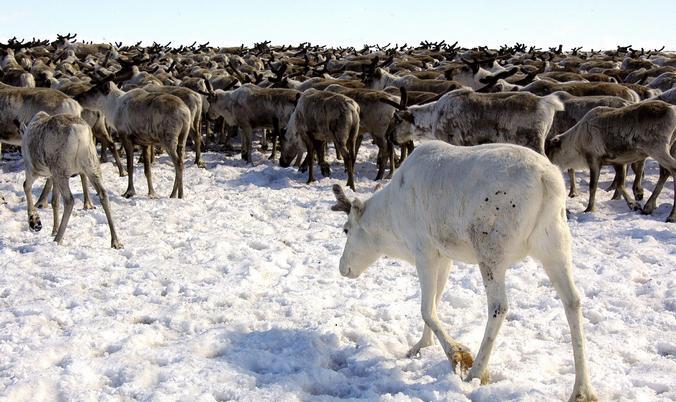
357,207
342,203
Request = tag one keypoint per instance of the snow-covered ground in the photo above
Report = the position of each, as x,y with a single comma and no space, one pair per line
234,294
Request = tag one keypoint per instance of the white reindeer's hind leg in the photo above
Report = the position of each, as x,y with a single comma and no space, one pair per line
427,340
429,265
494,281
553,250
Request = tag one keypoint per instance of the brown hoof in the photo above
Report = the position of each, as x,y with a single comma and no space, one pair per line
462,360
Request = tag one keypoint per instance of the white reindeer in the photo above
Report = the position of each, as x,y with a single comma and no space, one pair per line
59,147
508,203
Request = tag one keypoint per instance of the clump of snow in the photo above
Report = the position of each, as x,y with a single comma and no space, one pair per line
234,294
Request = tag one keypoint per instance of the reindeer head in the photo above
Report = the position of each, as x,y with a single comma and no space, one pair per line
291,143
360,249
95,97
401,126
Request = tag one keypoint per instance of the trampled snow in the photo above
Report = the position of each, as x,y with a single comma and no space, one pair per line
233,293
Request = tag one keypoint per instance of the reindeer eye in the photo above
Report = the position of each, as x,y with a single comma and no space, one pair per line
345,231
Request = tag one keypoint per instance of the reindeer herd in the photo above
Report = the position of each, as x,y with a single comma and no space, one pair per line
487,204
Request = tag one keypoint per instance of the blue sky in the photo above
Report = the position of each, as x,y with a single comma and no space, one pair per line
592,24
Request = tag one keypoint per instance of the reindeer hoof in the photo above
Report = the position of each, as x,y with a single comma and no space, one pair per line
584,394
116,245
88,205
41,204
639,196
415,350
123,174
129,193
573,194
200,164
153,195
647,209
671,219
634,206
34,224
484,377
461,359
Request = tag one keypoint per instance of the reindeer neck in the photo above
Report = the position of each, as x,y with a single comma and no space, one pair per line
423,115
112,103
379,220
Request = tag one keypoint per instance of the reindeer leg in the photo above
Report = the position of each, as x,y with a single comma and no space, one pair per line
382,157
264,140
390,157
275,135
573,186
310,160
558,265
85,192
103,196
429,265
104,156
651,204
493,276
33,218
247,141
62,184
56,196
129,151
44,195
146,170
198,143
335,146
118,162
177,156
594,171
613,185
181,156
427,340
349,164
620,176
637,188
323,165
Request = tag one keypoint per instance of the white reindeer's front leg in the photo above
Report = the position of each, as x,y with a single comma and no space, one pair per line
427,340
429,266
494,281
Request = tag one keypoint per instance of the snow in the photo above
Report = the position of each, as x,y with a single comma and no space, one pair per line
234,294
